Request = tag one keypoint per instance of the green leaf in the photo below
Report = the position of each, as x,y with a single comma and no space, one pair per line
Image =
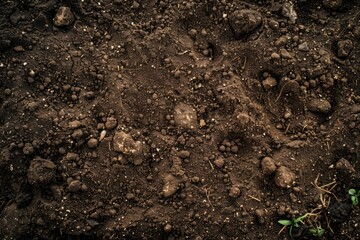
299,219
285,222
319,232
352,191
355,200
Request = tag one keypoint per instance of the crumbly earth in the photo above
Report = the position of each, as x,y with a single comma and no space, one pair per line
179,119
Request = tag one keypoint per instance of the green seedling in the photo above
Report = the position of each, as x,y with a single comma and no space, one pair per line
354,196
292,223
317,231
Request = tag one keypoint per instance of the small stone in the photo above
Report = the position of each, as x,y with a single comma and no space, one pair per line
19,48
234,192
167,228
64,17
185,116
75,186
344,165
110,123
268,166
41,171
269,83
219,162
136,151
135,5
184,154
303,47
202,123
244,21
284,178
275,56
319,106
75,124
344,48
285,54
92,143
171,185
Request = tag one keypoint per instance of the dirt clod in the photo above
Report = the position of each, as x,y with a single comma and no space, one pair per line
41,171
245,21
319,106
284,178
234,192
268,166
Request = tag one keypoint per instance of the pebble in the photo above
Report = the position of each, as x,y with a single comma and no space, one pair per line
285,54
319,106
284,177
41,171
171,185
269,83
75,186
92,143
64,17
184,154
234,192
219,162
75,124
110,123
245,21
185,116
167,228
275,56
28,149
124,143
268,166
303,47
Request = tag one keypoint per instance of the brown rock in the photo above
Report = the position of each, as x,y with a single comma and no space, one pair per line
64,17
92,143
185,116
234,192
75,186
268,166
344,48
245,21
344,165
284,178
110,123
319,106
269,83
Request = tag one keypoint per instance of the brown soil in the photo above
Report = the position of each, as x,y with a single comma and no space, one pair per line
169,119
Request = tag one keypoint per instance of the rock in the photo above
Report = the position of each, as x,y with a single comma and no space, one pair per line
244,21
234,192
332,4
284,178
268,166
171,185
92,143
74,186
285,54
64,17
184,154
344,48
110,123
269,83
75,124
136,151
289,11
41,171
260,215
185,116
303,47
319,106
345,166
275,56
282,41
167,228
219,162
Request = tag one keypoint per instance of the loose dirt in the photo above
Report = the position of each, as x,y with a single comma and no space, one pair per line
170,119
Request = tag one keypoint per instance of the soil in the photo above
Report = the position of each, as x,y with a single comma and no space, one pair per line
170,119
